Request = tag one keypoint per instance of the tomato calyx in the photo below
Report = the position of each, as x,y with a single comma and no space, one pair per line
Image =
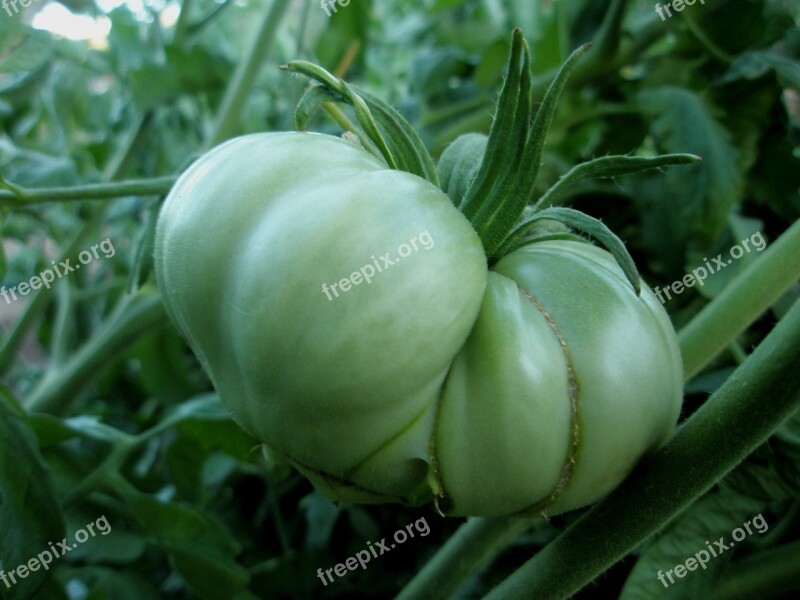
503,187
490,179
385,132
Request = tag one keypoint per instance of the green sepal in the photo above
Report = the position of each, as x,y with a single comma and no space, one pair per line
310,103
581,222
459,164
496,217
609,166
396,141
509,132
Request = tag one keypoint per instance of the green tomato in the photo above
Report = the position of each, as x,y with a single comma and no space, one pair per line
346,315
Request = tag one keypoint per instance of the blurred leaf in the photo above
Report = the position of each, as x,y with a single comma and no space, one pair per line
22,48
433,73
363,524
321,516
741,229
183,72
199,546
346,30
773,471
51,430
490,69
703,194
775,178
710,518
166,370
752,65
223,435
206,407
30,515
2,246
120,545
30,168
91,427
287,576
548,46
114,584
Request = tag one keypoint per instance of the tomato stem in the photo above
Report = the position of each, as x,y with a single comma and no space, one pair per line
157,186
760,284
231,109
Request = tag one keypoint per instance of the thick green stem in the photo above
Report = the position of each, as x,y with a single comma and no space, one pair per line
475,542
742,302
230,111
101,475
62,325
157,186
728,427
134,317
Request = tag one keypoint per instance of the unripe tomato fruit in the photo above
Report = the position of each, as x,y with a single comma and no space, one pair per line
535,385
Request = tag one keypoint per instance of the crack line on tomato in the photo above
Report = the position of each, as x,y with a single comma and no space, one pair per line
349,472
332,479
434,462
573,391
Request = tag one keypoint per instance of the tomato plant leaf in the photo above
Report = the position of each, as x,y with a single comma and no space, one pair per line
199,546
710,518
704,193
321,516
752,65
30,514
